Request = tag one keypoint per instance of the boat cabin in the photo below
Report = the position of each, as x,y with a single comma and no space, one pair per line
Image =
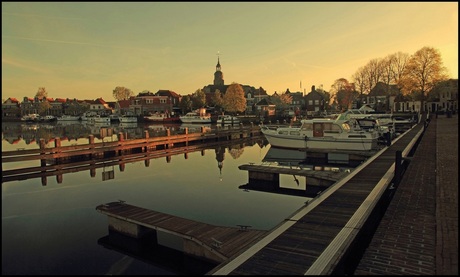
324,127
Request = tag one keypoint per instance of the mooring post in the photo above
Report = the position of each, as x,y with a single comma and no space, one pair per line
57,149
43,160
146,136
168,134
91,145
42,152
120,142
186,136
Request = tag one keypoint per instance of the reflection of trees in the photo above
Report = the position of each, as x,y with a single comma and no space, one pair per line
44,134
236,151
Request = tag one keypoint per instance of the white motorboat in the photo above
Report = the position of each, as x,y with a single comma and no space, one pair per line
194,117
66,117
30,117
47,118
227,119
322,133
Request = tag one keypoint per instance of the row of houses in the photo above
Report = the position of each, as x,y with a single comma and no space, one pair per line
382,98
142,104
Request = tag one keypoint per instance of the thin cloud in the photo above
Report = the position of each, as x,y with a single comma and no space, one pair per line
19,64
74,43
41,16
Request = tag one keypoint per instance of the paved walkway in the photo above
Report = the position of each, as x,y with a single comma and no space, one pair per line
418,234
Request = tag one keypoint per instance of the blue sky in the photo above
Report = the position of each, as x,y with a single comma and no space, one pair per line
84,50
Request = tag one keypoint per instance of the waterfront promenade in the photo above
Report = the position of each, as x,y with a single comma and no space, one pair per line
418,235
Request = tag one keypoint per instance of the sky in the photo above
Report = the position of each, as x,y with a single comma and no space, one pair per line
85,50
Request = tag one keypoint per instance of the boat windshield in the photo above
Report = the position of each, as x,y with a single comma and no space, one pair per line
346,127
306,126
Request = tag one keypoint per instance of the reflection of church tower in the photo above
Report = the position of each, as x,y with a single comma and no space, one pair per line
218,75
220,155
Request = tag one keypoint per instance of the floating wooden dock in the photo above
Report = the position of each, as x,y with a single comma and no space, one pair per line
205,241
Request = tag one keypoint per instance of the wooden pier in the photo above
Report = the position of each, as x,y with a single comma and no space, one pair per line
62,159
326,235
205,241
109,161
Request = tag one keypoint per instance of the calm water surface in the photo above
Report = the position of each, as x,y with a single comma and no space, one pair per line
55,229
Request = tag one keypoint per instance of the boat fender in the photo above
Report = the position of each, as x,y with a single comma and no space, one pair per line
305,138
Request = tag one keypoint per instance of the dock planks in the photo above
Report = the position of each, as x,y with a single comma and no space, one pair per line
227,241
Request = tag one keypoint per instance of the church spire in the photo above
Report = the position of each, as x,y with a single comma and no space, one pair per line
218,62
218,75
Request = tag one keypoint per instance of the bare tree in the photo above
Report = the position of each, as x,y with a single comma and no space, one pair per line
359,79
399,66
122,93
423,71
41,93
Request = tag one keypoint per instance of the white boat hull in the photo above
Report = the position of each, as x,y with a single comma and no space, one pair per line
323,134
228,120
68,118
188,120
301,142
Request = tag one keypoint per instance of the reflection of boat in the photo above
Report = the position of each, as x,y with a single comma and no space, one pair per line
321,133
66,117
227,119
127,124
193,127
127,119
194,117
285,156
102,123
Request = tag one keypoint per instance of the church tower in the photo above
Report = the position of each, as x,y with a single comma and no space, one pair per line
218,75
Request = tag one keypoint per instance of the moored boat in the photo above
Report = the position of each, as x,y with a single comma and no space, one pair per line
227,119
322,133
47,118
33,117
66,117
194,117
161,118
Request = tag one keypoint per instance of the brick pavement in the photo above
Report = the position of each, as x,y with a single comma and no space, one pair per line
418,235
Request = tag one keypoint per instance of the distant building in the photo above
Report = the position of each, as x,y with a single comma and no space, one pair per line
11,108
314,102
146,103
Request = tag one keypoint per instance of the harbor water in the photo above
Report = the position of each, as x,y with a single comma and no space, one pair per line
55,229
